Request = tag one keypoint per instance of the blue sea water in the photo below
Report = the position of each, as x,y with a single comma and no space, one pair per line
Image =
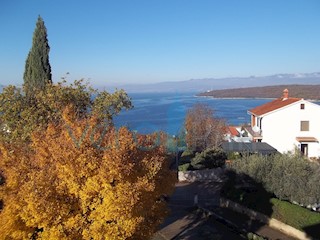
166,111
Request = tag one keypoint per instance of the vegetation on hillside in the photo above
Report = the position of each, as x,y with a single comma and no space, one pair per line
298,91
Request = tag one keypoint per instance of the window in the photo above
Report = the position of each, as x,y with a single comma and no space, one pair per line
304,126
302,106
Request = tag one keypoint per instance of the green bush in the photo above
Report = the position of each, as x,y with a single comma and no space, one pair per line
233,155
210,158
184,167
291,214
186,157
289,177
187,152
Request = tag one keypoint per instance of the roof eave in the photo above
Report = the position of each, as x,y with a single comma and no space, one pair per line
267,113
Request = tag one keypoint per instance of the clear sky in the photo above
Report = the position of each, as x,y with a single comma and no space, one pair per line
146,41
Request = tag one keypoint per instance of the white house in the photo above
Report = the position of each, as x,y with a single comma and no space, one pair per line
288,123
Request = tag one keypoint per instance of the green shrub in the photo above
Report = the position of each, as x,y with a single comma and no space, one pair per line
186,157
289,177
210,158
187,152
262,201
233,155
288,213
184,167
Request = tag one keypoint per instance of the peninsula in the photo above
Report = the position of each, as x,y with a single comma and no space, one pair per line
299,91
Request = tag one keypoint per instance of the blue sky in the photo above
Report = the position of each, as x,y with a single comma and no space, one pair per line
146,41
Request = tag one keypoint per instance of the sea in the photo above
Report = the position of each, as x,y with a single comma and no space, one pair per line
166,111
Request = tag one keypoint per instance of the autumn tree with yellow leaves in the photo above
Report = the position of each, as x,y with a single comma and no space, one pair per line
65,172
80,179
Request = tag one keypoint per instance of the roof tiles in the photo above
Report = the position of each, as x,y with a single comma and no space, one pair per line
273,105
233,131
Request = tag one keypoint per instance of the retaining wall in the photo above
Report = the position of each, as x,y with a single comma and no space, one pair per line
274,223
214,175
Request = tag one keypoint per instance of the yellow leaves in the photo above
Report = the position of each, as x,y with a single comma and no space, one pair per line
70,187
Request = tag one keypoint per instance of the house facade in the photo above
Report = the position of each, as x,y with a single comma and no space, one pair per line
288,124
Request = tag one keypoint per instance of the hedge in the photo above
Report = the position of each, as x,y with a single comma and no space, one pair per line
288,177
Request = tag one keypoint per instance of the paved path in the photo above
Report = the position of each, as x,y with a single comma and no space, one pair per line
186,223
196,226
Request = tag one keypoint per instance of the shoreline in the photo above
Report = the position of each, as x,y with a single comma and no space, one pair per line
235,97
227,98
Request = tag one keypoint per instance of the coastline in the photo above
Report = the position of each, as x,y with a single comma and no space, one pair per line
305,91
250,98
234,98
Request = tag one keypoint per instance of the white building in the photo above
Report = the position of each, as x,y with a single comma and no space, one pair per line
287,124
237,134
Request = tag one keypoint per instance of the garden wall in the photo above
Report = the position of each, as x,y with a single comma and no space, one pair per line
214,175
263,218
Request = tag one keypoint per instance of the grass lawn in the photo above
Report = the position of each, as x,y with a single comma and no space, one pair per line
262,201
294,215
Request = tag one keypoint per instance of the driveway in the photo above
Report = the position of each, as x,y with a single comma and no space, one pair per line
185,222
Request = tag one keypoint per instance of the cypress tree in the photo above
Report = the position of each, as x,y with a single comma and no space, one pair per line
37,72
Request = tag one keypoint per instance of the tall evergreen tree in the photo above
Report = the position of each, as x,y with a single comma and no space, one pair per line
37,72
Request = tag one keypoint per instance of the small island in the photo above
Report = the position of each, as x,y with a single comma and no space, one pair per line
299,91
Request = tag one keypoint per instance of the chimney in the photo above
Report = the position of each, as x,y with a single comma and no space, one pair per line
285,95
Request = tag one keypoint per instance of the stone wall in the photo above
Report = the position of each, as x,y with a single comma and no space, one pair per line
214,175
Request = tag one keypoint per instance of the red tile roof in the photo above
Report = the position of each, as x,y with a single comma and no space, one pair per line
273,105
233,131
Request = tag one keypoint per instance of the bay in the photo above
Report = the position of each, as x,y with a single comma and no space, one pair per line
167,111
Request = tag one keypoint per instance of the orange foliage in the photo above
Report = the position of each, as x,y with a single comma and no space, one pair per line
204,131
78,181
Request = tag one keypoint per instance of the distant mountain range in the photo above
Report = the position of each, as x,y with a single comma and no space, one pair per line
299,91
207,84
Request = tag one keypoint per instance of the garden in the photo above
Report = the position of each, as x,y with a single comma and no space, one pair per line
285,187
